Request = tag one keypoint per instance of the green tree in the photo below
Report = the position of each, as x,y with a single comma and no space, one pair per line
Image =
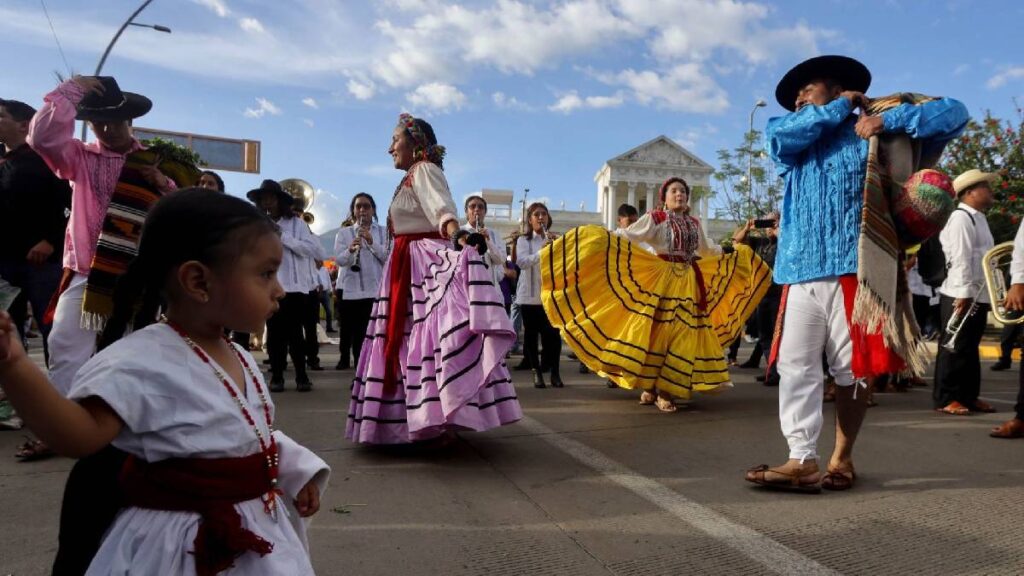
993,145
746,183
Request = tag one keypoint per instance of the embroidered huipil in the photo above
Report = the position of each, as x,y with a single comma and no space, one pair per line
426,208
823,162
92,169
669,233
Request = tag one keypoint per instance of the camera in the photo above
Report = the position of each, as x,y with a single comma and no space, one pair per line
764,223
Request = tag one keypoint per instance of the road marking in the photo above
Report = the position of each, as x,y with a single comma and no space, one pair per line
758,547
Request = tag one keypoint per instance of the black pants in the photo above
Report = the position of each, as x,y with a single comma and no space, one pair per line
1008,340
38,283
310,320
958,372
92,499
536,323
353,331
284,335
1019,408
922,313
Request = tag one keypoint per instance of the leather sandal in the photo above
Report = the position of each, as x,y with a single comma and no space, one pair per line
647,398
665,404
1013,428
33,450
984,407
837,480
954,408
788,482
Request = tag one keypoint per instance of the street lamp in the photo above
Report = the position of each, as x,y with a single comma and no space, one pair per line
524,220
750,150
127,23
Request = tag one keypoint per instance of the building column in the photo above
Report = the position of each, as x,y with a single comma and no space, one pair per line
609,199
650,196
631,193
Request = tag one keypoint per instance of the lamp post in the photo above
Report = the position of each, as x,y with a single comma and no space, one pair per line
750,151
127,23
525,220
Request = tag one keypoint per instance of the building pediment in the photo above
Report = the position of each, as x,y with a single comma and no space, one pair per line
659,152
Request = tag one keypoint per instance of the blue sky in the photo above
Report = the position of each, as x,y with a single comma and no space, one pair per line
524,93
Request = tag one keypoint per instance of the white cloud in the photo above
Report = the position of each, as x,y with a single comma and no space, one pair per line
437,97
251,25
684,87
501,100
308,122
263,107
362,89
311,102
572,101
217,6
1000,80
962,68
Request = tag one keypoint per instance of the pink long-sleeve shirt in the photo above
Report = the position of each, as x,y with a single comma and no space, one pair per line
92,169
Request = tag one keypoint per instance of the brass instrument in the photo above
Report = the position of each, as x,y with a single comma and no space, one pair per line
478,225
996,266
363,225
957,321
302,191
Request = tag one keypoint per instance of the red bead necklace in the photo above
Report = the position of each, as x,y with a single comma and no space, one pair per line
267,446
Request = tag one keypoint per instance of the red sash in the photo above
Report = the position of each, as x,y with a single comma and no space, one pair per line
210,487
399,290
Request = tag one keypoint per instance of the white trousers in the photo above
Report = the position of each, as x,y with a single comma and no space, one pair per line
70,344
815,323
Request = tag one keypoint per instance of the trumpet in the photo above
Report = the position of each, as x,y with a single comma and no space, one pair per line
996,265
478,225
363,225
957,321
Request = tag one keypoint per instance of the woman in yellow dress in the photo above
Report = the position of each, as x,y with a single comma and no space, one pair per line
657,322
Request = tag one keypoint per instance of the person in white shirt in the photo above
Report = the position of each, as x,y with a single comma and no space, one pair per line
476,210
298,277
535,321
1014,427
965,239
360,251
326,289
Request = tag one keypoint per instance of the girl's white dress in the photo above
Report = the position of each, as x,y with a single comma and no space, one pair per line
174,406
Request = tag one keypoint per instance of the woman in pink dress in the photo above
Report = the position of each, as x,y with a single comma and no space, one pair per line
434,356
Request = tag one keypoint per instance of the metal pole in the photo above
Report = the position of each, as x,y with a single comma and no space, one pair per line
526,222
750,152
103,59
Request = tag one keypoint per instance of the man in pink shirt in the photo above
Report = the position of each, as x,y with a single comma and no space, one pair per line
94,170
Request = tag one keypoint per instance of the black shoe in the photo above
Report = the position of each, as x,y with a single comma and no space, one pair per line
556,380
1001,364
331,331
303,385
538,380
610,384
523,365
267,362
760,378
341,366
584,369
751,364
772,381
277,384
315,366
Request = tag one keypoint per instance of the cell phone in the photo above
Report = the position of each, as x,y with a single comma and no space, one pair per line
764,223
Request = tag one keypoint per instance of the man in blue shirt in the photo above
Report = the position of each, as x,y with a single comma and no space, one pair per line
821,151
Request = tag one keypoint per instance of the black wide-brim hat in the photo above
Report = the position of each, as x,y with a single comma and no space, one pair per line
113,105
847,72
284,199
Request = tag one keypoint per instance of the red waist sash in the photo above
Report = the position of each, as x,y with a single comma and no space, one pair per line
702,294
210,487
399,290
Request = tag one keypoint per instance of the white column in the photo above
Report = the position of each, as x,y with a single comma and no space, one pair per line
650,196
631,193
610,207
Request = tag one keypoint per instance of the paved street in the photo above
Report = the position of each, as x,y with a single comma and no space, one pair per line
590,483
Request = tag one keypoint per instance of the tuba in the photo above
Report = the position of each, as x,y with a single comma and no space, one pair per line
996,266
302,191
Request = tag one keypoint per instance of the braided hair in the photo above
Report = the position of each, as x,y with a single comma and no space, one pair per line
192,224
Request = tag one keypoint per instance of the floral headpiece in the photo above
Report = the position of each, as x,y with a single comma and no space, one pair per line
423,150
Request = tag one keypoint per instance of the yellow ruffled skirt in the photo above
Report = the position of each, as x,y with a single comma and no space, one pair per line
635,318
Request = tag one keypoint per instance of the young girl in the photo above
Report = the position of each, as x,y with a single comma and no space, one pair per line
528,295
208,484
657,323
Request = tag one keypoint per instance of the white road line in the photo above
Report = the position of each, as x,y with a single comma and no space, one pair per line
760,548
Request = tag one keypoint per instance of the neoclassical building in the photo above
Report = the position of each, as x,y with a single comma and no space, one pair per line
636,176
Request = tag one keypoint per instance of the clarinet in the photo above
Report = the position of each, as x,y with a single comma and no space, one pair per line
359,249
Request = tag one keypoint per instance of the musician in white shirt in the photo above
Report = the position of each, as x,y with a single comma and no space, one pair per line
1014,427
476,210
363,245
965,239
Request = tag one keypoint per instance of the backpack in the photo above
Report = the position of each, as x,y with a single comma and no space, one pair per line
931,260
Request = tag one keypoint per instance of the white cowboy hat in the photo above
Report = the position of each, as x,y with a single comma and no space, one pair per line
972,177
